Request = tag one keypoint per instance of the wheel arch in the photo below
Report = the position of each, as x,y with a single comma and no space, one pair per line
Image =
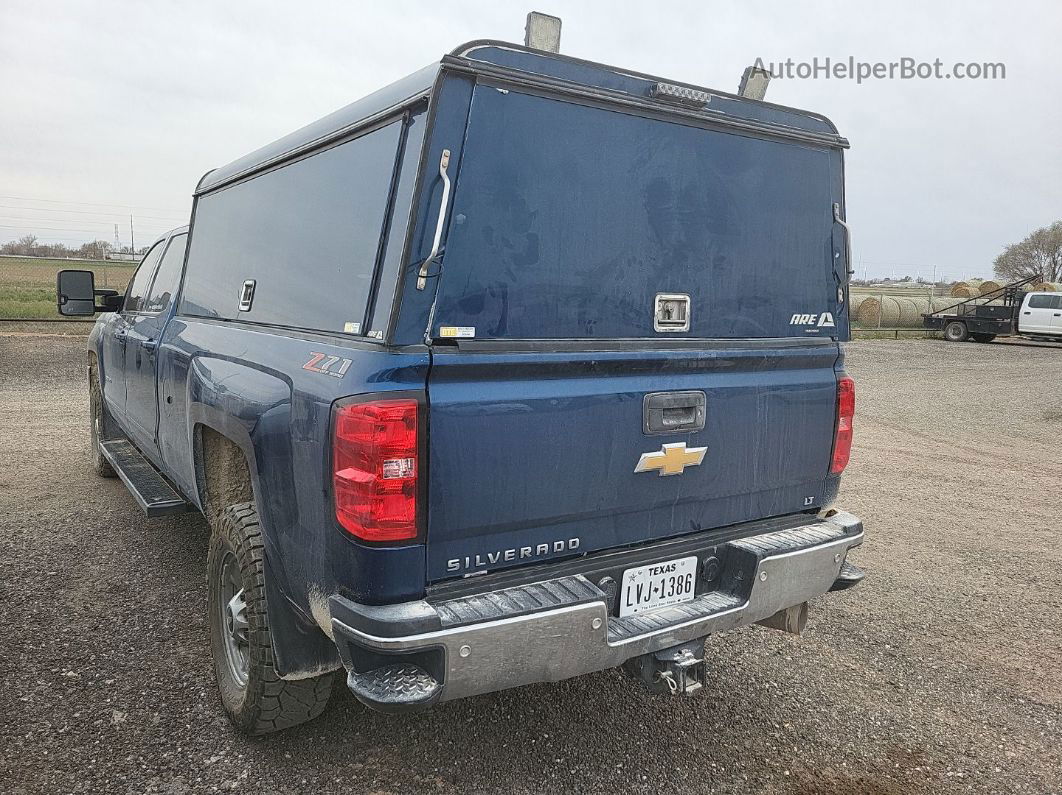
227,472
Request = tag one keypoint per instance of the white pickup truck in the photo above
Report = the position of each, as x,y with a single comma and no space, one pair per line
1040,315
1008,311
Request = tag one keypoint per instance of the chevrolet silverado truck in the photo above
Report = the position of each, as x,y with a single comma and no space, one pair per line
521,368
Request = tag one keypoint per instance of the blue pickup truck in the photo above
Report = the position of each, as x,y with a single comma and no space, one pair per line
520,368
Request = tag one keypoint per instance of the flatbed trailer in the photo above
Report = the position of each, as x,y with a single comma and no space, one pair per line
983,318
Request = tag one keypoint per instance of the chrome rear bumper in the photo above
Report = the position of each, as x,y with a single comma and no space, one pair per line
556,629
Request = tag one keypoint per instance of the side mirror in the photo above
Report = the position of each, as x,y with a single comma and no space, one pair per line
76,295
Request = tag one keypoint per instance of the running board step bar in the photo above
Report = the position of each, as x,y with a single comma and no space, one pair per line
401,687
153,493
849,577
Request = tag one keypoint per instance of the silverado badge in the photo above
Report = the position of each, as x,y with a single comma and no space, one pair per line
672,459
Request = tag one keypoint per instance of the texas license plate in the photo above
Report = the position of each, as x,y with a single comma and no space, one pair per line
657,585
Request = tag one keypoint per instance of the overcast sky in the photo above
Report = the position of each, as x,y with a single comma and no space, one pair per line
112,106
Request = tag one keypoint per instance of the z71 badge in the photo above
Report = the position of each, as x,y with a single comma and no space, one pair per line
327,365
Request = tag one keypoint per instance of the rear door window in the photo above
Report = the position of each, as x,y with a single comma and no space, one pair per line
306,233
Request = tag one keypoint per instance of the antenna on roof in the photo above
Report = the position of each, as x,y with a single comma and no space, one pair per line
542,32
754,83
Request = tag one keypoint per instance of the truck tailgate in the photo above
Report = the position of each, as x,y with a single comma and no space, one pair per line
532,453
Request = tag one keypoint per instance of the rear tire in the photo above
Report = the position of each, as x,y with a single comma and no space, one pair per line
982,337
956,331
97,425
256,699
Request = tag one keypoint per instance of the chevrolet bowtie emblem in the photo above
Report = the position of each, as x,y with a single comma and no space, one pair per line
672,459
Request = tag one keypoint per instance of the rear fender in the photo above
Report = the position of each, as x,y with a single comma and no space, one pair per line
252,409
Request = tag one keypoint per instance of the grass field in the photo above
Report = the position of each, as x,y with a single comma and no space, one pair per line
27,284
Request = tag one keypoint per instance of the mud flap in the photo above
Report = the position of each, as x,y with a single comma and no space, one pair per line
300,648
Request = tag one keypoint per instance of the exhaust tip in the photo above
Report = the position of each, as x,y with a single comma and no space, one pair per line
791,619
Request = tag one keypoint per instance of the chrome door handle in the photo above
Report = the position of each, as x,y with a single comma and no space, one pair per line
149,345
422,276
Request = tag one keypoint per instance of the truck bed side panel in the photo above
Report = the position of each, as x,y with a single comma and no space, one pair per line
250,384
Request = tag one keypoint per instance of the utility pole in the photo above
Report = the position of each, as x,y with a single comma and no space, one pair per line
132,245
117,245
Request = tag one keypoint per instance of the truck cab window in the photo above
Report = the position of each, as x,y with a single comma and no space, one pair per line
1045,302
168,276
138,285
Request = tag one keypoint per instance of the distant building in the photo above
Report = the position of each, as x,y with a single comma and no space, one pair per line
918,285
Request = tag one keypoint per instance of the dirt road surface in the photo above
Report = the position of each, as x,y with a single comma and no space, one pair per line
941,673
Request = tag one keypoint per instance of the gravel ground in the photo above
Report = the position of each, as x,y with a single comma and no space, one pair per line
941,673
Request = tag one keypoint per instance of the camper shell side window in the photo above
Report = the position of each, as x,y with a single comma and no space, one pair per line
307,233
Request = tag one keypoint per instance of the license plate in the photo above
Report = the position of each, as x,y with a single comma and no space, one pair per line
657,585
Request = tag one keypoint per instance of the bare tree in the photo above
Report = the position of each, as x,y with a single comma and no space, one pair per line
28,246
1040,252
97,249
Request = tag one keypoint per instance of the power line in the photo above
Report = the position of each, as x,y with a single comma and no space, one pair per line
50,238
33,229
90,204
90,221
85,212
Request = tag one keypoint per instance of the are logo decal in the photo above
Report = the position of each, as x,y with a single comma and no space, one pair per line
328,365
824,320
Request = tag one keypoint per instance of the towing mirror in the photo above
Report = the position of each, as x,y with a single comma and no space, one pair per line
76,295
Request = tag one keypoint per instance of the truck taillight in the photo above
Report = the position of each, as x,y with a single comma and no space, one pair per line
374,469
842,439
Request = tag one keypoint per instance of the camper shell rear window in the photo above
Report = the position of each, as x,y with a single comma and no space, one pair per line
568,220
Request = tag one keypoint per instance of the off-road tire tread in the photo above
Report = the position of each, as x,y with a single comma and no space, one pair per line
270,703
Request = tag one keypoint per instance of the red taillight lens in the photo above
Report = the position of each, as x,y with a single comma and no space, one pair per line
842,440
374,469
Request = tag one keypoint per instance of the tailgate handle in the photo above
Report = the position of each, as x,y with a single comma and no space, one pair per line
673,412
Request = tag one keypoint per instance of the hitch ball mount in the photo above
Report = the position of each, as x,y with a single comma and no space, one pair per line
676,670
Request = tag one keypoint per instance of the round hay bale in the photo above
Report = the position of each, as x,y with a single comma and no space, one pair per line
942,303
889,312
854,302
964,291
910,312
869,312
989,287
1048,287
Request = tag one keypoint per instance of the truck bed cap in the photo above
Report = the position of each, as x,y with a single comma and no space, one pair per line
513,60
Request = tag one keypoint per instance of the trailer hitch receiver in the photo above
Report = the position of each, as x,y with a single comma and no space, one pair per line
676,670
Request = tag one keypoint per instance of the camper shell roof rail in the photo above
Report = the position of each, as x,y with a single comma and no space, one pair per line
534,69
